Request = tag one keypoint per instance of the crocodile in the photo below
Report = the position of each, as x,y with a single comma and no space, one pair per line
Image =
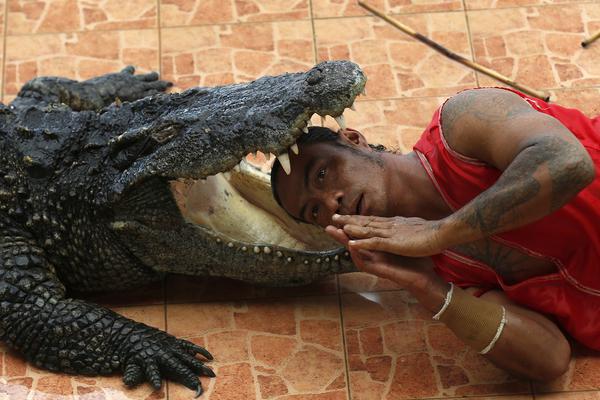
111,183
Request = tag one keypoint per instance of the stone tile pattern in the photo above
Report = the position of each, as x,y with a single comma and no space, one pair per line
80,55
538,46
223,54
396,64
200,12
284,349
289,344
395,351
42,16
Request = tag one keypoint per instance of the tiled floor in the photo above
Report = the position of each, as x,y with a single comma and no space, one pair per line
349,337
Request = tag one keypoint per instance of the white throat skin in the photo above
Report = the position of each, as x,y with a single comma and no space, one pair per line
240,206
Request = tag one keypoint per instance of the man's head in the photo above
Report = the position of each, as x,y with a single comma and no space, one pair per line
333,173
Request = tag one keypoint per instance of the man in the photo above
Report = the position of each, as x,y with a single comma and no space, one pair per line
499,197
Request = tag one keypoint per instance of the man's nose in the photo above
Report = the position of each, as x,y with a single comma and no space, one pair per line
332,203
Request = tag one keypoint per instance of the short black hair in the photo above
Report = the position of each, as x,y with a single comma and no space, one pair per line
316,134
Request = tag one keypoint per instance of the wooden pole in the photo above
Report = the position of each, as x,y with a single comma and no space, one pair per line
454,56
591,39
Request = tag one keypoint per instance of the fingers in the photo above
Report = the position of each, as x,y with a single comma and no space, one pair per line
337,234
362,232
374,243
356,219
130,69
149,77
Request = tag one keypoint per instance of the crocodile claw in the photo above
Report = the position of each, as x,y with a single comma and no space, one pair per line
199,391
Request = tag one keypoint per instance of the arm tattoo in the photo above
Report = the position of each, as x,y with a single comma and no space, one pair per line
499,206
483,105
545,174
512,265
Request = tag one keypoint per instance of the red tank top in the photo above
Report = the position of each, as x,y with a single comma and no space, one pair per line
569,237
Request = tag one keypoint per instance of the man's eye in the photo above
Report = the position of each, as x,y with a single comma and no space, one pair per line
315,212
321,174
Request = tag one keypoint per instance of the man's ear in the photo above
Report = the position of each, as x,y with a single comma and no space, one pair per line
353,137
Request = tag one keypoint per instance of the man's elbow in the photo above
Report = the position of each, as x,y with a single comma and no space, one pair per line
583,170
556,363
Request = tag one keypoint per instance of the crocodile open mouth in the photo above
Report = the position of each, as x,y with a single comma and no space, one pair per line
218,215
238,206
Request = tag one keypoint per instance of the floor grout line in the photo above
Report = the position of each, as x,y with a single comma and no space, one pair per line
158,23
3,64
344,345
309,18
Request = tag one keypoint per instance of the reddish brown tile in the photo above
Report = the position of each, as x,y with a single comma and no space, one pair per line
201,12
569,396
41,16
347,8
538,46
480,4
395,64
585,100
77,55
386,329
288,347
583,373
234,53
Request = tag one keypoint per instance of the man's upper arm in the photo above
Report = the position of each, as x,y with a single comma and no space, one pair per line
495,125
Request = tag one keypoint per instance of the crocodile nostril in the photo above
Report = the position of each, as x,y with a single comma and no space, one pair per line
315,76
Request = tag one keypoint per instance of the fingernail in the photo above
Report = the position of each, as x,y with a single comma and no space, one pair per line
335,216
352,242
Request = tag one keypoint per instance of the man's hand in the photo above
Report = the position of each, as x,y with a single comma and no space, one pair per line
412,237
415,274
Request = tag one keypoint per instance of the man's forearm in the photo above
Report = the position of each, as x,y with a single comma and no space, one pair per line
525,336
541,179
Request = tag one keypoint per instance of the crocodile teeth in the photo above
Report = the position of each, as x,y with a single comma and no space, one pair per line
227,175
364,91
341,121
352,107
309,123
305,129
237,168
284,159
294,148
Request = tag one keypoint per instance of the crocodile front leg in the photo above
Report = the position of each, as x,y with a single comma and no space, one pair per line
92,94
68,335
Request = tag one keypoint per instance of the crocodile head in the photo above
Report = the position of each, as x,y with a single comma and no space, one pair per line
187,202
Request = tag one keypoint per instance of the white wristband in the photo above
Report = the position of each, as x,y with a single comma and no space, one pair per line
498,333
446,302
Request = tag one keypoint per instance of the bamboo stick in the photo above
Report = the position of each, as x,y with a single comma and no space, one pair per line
591,39
453,56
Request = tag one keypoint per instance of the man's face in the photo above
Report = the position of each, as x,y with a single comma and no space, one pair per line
327,178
